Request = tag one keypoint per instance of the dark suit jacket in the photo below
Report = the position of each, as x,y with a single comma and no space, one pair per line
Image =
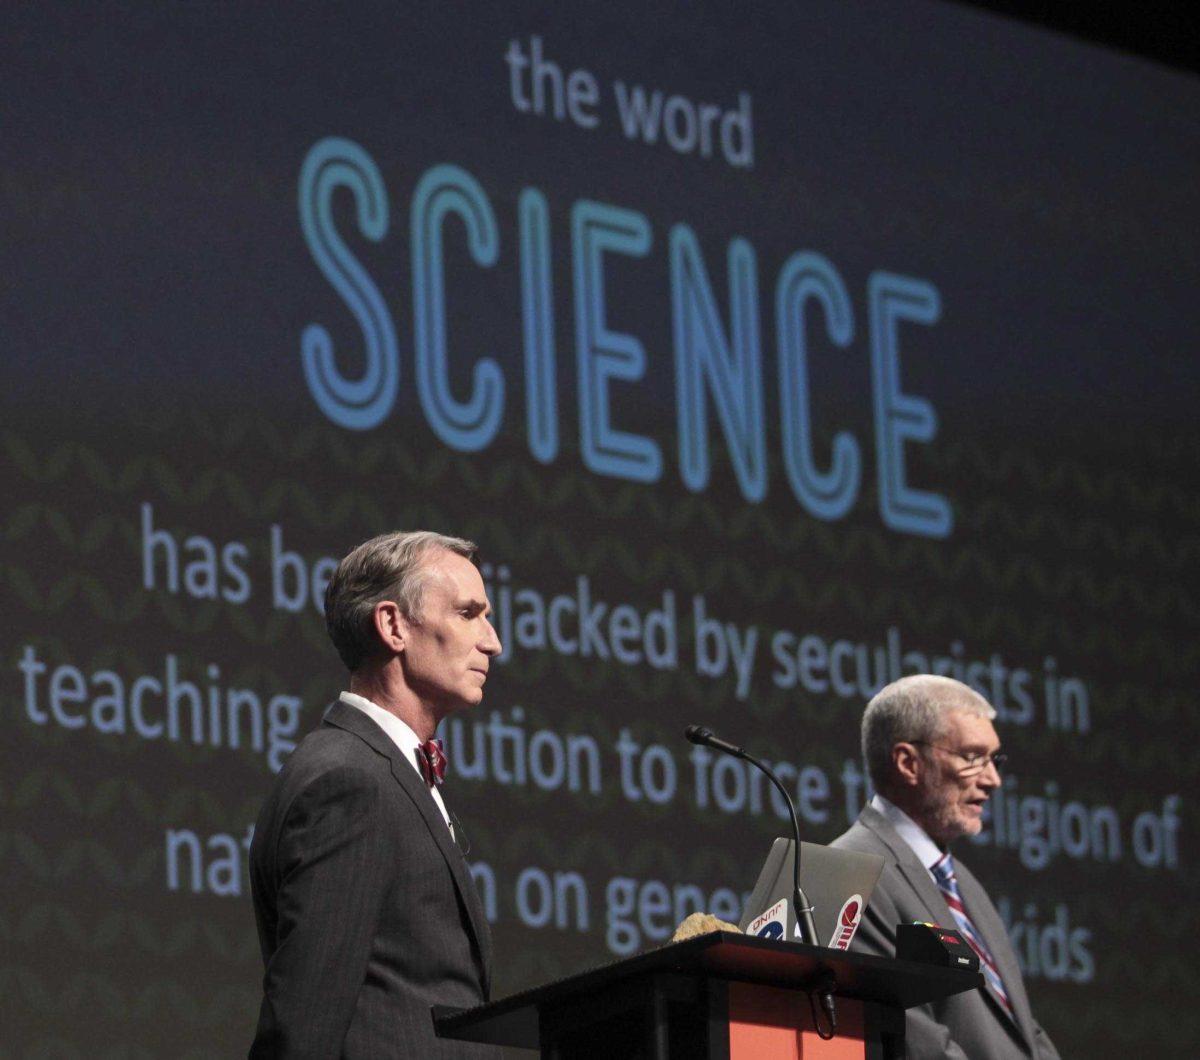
367,914
970,1026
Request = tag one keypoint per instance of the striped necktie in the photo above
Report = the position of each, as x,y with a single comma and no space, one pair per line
943,873
431,756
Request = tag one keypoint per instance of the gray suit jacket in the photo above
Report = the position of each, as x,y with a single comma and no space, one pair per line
367,914
971,1026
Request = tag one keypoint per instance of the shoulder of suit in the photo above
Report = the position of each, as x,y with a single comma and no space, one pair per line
865,840
330,751
857,837
333,740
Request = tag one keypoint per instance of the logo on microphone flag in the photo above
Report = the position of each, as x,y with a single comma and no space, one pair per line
848,920
771,924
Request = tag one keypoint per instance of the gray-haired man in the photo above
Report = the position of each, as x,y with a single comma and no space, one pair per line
934,757
367,914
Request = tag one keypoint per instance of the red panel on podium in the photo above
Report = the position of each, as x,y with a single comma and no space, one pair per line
766,1022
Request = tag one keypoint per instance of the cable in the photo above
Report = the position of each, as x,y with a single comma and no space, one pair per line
825,991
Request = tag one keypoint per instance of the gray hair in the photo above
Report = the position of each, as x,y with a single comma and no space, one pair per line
912,710
389,567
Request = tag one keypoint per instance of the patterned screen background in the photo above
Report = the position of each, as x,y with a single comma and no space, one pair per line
768,356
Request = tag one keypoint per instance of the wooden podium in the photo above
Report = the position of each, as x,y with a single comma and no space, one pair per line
714,997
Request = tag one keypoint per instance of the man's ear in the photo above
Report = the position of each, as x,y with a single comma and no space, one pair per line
391,626
907,762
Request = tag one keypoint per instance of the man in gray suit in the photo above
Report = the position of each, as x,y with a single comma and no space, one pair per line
367,913
934,757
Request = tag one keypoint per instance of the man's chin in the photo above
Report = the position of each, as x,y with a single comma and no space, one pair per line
971,824
465,701
947,831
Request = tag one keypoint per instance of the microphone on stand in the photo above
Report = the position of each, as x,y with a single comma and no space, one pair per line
703,737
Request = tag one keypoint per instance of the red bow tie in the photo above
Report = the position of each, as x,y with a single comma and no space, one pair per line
433,761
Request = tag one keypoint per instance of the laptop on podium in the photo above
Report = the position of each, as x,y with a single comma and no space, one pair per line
838,884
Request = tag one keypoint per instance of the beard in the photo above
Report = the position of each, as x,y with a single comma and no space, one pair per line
942,816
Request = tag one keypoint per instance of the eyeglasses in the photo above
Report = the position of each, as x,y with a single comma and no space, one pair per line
972,763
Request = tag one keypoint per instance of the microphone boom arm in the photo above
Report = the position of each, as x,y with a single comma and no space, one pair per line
804,909
701,736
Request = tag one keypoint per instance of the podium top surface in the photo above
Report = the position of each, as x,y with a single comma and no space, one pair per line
721,955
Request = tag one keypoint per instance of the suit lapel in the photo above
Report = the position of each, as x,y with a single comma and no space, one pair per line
353,720
915,874
991,929
975,899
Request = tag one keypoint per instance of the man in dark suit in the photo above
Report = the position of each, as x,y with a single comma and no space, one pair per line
367,913
934,757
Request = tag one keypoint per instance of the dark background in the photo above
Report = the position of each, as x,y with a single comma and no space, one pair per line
1160,30
155,286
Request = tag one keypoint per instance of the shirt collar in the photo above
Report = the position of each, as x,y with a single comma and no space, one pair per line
927,851
398,731
402,736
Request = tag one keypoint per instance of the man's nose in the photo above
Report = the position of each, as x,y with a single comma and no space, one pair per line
490,645
990,777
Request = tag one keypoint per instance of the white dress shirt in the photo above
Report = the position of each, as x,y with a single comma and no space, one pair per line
402,736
